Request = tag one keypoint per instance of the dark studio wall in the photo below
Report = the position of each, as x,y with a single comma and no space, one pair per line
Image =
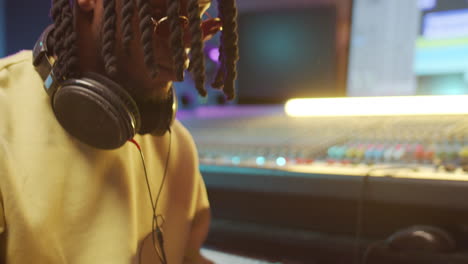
24,22
2,28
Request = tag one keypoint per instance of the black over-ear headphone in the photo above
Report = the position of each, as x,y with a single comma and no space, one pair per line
93,108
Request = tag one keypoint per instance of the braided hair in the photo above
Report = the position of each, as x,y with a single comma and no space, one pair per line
146,29
197,62
64,38
127,14
108,38
228,50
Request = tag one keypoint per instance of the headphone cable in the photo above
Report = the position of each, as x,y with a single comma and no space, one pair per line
155,227
360,213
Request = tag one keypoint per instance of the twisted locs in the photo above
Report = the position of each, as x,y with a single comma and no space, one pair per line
146,29
176,38
197,61
108,38
127,15
64,39
228,49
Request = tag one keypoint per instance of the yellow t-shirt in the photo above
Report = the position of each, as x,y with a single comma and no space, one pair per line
65,202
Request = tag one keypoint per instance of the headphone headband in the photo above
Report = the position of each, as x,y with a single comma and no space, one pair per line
43,61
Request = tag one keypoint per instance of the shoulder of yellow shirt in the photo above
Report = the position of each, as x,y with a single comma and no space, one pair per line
24,56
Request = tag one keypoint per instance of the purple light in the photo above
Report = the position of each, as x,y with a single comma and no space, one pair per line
213,53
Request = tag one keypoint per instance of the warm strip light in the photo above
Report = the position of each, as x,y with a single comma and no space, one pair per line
379,106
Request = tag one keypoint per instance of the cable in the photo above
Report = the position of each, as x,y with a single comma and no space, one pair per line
359,217
369,249
155,227
360,212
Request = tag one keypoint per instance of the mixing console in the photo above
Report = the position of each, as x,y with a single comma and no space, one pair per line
273,140
263,168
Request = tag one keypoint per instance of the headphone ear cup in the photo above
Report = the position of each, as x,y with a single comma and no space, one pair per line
96,111
124,97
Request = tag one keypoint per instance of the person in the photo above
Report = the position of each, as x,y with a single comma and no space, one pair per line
93,166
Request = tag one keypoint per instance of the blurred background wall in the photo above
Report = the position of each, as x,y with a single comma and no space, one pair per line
294,47
2,28
23,22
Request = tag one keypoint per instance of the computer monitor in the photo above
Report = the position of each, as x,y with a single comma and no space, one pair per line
408,47
287,53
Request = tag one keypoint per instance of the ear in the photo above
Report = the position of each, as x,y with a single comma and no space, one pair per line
210,27
86,5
